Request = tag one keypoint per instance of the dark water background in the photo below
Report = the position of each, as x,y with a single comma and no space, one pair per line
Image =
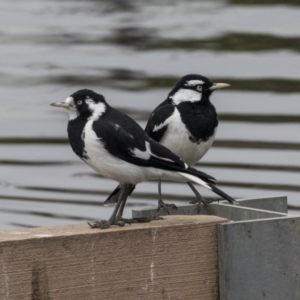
133,52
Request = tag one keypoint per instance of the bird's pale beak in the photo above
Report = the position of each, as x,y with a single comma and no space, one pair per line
217,86
60,104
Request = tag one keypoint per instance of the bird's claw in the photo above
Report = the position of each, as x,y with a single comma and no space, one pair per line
103,224
166,206
148,219
199,200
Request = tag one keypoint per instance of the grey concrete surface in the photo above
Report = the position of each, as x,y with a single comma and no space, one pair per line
260,259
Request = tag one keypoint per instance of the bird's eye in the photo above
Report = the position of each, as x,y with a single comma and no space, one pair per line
79,102
199,88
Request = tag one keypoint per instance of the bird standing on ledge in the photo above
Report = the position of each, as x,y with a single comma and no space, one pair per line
115,146
186,123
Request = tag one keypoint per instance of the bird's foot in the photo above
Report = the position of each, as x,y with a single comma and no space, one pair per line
140,220
103,224
200,200
166,206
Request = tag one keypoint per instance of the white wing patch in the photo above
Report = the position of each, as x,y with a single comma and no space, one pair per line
148,153
161,125
163,158
142,154
165,123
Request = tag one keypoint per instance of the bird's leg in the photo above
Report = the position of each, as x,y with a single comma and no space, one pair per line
121,209
113,220
161,204
133,220
199,199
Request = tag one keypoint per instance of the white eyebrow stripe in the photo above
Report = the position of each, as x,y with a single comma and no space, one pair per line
194,82
184,95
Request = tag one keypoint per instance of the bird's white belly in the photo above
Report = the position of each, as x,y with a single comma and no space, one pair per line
177,140
112,167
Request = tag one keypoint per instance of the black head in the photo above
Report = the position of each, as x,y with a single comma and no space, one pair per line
193,87
84,103
194,82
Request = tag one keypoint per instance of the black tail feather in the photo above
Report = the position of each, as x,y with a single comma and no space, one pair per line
222,194
114,196
189,170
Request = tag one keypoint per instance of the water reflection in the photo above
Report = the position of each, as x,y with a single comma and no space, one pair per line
148,40
264,2
127,80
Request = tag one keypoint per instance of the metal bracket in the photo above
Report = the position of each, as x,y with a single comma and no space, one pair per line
259,251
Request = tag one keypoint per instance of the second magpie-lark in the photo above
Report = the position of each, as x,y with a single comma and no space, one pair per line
115,146
186,123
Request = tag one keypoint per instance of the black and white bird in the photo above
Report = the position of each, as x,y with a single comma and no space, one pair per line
115,146
186,123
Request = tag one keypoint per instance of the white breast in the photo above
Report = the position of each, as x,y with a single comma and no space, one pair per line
177,140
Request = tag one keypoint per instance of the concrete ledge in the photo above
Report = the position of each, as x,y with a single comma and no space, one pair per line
176,258
260,259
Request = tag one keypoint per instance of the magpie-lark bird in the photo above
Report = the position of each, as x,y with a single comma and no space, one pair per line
186,123
115,146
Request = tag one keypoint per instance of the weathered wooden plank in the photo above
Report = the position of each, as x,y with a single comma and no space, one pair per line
175,258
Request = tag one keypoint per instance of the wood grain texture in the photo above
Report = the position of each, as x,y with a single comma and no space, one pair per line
175,258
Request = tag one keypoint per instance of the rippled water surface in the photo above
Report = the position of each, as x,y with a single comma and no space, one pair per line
133,52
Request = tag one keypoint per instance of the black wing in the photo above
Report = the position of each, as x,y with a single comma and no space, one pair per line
122,137
157,125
